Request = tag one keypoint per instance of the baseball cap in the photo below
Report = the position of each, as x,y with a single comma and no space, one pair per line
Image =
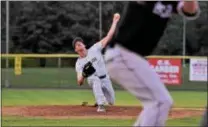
76,40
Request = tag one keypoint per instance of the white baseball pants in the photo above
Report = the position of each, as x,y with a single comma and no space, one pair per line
102,90
134,74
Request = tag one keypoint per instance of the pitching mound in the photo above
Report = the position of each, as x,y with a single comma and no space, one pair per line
61,112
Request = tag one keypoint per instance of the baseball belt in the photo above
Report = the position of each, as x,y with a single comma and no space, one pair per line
102,76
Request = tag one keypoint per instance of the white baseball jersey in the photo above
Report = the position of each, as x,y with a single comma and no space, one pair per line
94,55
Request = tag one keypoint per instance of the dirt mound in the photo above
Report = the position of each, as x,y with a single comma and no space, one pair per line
60,112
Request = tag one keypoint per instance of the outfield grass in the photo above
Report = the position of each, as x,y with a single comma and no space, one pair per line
21,121
19,97
11,97
66,78
42,77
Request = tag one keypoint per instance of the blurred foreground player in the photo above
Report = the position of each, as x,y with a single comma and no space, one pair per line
204,122
139,31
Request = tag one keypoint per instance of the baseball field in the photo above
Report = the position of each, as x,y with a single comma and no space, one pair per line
62,107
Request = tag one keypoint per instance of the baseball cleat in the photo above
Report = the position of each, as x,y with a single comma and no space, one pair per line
95,105
101,108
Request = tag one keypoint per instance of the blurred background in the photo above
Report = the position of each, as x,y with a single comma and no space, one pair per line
32,27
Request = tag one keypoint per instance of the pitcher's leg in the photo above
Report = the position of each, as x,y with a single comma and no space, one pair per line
108,91
97,91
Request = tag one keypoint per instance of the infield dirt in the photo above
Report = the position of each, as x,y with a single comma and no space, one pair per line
81,112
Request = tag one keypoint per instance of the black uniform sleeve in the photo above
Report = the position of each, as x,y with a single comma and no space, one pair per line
175,6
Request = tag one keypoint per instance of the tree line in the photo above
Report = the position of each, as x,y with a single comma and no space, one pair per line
50,26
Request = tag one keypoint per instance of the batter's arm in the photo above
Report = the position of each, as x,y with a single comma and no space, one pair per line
189,9
111,32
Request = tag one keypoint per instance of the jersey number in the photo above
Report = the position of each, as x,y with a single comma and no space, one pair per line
164,11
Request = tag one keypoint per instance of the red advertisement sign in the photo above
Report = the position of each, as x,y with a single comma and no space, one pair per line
169,70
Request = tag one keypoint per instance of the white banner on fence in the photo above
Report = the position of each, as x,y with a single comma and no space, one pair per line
198,70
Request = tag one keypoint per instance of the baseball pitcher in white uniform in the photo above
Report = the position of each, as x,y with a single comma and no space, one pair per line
91,65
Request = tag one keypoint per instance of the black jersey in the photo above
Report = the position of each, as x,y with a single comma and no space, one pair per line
142,25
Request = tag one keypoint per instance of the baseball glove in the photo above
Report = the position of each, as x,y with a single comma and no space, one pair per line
88,70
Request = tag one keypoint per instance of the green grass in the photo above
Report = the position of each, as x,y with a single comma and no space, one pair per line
42,77
64,97
21,121
66,78
17,97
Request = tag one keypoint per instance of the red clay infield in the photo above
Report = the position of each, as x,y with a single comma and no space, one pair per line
69,111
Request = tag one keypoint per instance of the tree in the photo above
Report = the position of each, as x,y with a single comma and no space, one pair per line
49,27
3,25
171,42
